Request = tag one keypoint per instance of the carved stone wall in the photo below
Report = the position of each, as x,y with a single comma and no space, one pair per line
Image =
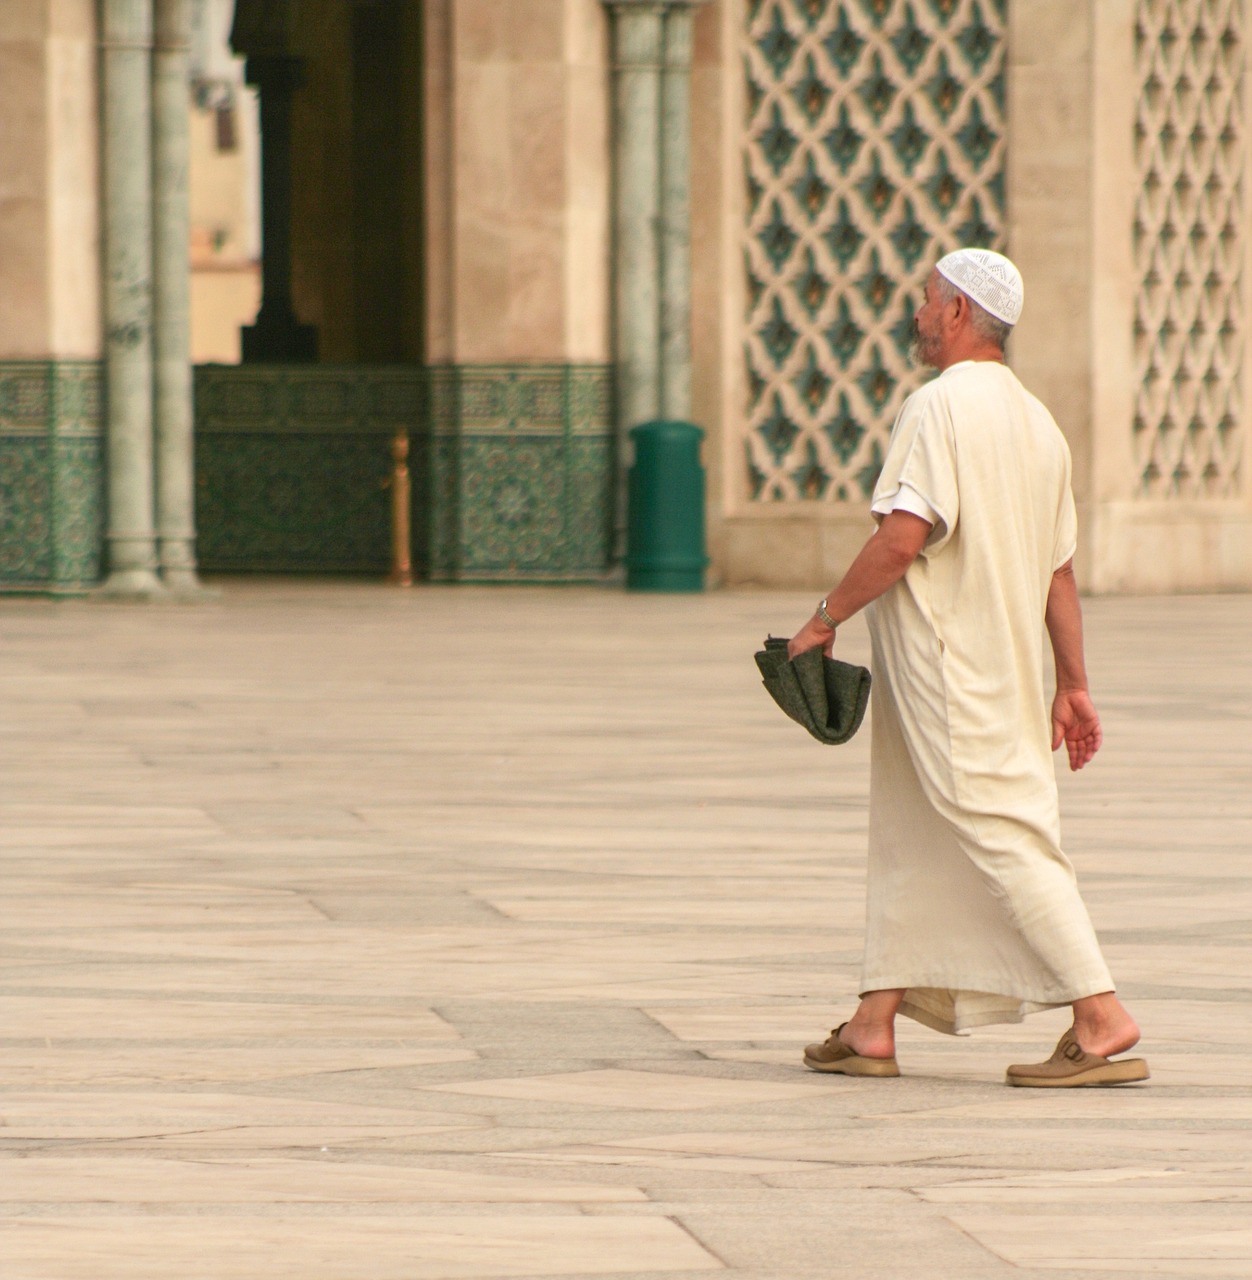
875,143
1190,243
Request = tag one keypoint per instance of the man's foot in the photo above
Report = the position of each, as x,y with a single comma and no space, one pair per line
1103,1025
838,1058
1071,1066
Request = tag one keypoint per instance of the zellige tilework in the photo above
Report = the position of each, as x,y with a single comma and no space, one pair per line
519,473
51,475
511,469
874,144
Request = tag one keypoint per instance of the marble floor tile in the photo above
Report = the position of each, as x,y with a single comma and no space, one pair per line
110,1016
134,1179
341,936
146,1063
650,1090
79,1114
1180,1243
1142,1185
99,1247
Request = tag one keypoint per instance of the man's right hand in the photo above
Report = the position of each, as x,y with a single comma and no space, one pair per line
812,635
1075,723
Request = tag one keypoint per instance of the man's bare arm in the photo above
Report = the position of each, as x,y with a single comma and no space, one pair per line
880,564
1074,718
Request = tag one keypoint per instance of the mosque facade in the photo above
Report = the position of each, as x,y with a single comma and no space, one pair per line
497,234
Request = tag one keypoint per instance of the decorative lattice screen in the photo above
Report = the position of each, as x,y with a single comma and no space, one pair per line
1189,247
874,144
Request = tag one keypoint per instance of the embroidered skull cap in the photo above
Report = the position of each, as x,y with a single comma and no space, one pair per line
988,278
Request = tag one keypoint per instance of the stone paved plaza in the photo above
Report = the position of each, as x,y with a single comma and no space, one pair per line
358,933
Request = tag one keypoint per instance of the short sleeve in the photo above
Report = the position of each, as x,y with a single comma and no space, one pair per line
921,461
908,499
1066,541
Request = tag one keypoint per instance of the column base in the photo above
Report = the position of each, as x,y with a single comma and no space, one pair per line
130,584
176,556
184,587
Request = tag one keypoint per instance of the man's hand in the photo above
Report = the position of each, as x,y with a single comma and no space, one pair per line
810,636
1075,723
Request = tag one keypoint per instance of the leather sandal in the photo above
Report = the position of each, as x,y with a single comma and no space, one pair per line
1071,1066
837,1058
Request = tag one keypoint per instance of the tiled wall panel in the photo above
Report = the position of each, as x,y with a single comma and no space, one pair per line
50,475
521,474
874,143
511,469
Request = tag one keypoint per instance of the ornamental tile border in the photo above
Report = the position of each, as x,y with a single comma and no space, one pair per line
511,467
874,143
51,475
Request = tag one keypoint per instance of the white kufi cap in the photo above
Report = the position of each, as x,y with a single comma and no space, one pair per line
987,277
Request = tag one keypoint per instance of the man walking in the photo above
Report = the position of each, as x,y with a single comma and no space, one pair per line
973,915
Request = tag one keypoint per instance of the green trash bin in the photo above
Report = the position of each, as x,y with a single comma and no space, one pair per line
665,509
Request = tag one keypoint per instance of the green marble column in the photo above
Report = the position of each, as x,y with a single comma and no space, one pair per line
638,47
652,51
171,340
675,220
126,145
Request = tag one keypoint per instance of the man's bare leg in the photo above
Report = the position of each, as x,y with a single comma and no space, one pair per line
871,1030
1103,1026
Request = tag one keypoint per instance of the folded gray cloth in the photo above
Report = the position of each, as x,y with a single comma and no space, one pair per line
826,696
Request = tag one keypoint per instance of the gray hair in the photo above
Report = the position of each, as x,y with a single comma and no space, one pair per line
982,321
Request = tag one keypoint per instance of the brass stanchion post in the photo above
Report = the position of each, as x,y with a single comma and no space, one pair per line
401,561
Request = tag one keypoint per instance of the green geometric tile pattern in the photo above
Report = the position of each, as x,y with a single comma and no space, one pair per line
520,473
50,475
291,464
511,469
1189,242
875,143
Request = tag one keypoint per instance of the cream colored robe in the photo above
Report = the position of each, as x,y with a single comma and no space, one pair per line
972,906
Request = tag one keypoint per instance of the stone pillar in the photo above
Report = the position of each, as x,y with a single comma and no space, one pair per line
638,50
125,61
175,455
652,50
277,334
519,458
675,213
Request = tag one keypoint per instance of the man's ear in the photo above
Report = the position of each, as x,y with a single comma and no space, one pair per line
962,309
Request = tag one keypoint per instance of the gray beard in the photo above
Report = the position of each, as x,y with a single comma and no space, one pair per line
918,352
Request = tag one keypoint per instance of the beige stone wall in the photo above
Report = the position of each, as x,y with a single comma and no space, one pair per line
50,264
1072,192
516,180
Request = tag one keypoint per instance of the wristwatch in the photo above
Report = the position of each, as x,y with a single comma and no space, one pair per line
823,617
